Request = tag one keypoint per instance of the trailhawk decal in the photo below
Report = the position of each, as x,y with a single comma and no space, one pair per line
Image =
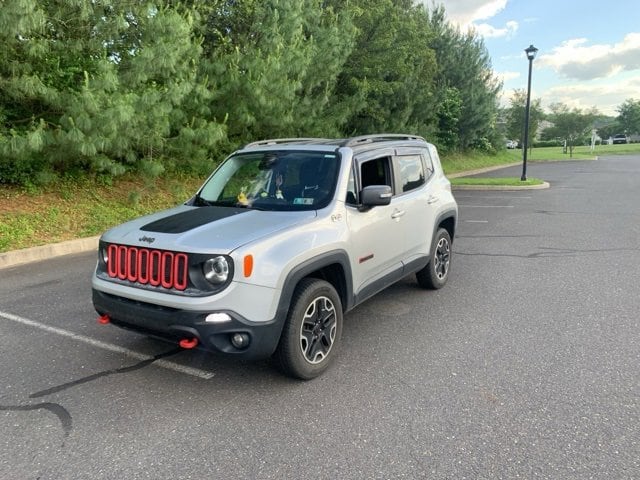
185,221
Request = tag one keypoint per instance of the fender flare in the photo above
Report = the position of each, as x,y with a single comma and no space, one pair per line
449,213
308,267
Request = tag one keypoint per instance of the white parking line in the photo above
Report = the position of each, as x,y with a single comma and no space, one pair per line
476,221
195,372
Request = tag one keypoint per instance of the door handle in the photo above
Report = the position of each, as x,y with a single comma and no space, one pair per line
397,214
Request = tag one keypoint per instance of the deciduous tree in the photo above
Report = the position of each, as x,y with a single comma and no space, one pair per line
570,124
629,116
515,116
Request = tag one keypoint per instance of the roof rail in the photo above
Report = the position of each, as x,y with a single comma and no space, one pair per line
276,141
381,137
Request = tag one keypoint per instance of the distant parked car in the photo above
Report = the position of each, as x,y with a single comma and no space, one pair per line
512,144
619,138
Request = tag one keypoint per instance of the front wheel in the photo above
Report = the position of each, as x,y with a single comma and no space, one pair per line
312,332
435,274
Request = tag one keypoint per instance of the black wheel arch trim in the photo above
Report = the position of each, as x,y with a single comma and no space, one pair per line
306,269
447,214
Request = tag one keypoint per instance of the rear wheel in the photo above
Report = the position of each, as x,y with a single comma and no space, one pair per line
312,332
436,273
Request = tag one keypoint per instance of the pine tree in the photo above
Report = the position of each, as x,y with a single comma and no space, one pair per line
273,66
391,69
99,86
464,64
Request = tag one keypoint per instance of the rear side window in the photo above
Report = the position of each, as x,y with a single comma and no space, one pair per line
411,172
428,162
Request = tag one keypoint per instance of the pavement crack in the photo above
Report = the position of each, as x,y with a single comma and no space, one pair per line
548,252
105,373
499,236
58,410
63,415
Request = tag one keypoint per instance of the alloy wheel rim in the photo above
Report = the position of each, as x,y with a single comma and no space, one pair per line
318,330
442,257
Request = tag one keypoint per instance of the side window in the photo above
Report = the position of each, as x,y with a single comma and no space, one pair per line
428,162
376,172
411,171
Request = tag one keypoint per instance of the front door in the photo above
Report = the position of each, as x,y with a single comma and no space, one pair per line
376,234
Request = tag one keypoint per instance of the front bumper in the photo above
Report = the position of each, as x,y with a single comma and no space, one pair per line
175,324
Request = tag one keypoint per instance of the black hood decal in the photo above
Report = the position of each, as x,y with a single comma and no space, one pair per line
185,221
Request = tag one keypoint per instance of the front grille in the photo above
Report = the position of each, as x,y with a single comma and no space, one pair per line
158,268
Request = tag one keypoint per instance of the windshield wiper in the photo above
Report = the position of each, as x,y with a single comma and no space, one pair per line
203,202
248,207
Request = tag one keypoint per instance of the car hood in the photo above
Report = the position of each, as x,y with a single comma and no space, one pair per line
203,229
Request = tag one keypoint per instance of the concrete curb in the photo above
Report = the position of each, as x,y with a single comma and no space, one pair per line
34,254
505,188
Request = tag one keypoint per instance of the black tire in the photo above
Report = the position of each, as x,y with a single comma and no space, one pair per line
436,273
312,332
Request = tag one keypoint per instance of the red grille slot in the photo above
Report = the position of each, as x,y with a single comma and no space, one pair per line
122,263
154,268
167,270
132,264
145,266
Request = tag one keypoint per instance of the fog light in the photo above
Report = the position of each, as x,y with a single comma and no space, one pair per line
217,318
240,340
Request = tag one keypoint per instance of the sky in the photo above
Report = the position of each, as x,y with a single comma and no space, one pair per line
588,51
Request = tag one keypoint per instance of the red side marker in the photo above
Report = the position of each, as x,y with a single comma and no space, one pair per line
104,319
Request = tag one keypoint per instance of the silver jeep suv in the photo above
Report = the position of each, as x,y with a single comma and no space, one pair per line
282,240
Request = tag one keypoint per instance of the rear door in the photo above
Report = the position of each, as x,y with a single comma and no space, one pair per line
416,200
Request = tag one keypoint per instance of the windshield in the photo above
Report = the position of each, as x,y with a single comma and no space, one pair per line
274,180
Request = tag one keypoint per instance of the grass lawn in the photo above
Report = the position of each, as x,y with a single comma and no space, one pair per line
462,162
69,210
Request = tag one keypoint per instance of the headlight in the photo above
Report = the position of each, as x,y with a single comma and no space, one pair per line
216,270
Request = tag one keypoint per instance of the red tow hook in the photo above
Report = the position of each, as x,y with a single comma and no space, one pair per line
188,343
103,319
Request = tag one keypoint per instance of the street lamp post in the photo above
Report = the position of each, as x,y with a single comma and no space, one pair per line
531,54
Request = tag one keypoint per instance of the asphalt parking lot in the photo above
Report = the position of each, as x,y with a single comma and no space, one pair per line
524,366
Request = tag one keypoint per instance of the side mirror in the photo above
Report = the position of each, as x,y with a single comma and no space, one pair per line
375,195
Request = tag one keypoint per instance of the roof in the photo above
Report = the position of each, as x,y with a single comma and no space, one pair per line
340,142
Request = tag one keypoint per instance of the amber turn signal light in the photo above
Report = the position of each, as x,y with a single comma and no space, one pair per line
248,265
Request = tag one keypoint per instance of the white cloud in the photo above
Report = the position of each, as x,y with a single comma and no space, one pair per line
606,97
464,12
504,98
577,60
489,31
506,76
